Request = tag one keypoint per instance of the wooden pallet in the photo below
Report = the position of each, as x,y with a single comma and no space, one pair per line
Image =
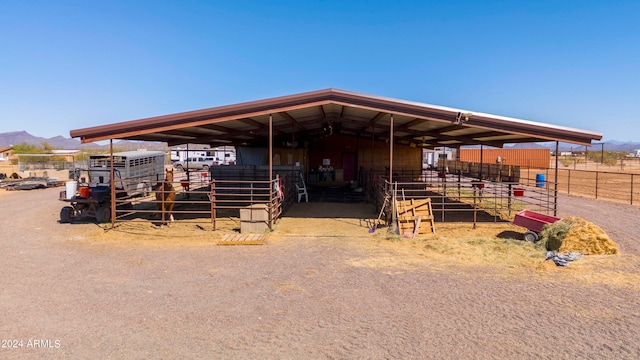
415,217
242,239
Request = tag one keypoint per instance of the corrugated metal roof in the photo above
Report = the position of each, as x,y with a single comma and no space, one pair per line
310,115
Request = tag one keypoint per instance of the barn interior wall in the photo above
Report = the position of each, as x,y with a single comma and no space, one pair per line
331,147
404,157
367,155
289,156
370,155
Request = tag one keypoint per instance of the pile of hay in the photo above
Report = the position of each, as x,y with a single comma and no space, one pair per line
574,234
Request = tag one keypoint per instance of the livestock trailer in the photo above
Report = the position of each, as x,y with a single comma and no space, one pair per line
134,171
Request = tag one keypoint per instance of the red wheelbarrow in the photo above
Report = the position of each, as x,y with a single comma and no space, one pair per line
534,222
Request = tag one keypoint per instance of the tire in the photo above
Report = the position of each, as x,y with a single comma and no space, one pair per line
103,214
179,167
205,168
531,236
66,214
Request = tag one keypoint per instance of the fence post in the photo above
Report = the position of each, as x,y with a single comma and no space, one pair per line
569,181
597,173
213,203
270,182
631,189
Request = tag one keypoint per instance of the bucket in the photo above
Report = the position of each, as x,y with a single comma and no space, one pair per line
71,187
84,192
540,180
518,192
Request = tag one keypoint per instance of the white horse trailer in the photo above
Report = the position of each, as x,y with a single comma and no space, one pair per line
136,172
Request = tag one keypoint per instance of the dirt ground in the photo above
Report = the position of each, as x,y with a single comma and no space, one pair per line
321,287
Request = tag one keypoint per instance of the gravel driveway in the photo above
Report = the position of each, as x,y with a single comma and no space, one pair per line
67,296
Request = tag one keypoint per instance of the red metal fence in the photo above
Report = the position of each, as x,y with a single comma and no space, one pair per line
205,199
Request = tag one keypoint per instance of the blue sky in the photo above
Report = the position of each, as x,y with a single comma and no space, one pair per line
72,64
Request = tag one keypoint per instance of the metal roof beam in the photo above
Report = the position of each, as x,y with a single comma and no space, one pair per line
292,120
409,124
259,126
373,120
465,140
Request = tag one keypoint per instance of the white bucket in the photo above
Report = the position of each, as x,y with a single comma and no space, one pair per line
71,187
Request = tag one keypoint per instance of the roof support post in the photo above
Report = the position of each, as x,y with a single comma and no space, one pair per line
270,172
373,148
187,162
270,147
555,186
293,151
112,185
391,150
481,160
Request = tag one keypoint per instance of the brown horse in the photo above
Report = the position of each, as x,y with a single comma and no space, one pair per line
166,195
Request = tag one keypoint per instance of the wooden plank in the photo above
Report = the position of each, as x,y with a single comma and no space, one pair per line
240,239
261,242
418,221
417,204
415,217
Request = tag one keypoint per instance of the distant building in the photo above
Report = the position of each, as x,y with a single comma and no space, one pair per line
535,158
5,153
430,157
68,155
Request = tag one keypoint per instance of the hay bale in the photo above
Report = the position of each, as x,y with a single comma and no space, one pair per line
552,235
587,238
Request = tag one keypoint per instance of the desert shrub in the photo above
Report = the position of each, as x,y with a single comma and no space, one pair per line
566,162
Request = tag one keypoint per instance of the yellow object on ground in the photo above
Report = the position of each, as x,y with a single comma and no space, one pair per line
587,238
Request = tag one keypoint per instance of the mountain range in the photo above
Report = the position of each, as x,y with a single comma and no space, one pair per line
611,145
60,142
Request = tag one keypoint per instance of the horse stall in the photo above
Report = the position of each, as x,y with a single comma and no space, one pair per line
455,196
224,193
244,195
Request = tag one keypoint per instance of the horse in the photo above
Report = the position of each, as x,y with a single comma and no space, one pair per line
166,195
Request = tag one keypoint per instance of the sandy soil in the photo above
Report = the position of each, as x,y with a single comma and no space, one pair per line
141,291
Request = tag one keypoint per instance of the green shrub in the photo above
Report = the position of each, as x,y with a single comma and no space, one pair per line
566,162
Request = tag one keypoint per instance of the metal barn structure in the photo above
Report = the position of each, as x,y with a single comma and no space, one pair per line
339,137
